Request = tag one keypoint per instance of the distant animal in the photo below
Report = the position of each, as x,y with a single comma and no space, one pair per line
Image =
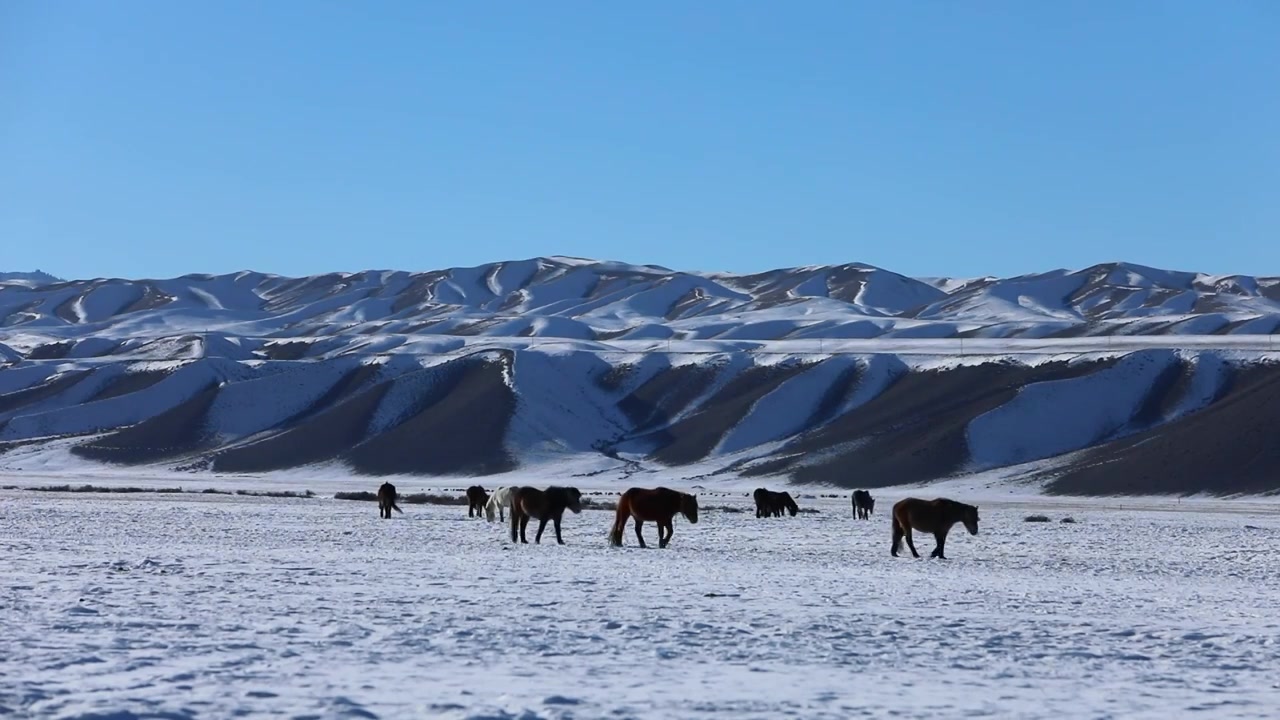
499,500
476,500
773,504
930,516
658,505
544,505
387,500
863,504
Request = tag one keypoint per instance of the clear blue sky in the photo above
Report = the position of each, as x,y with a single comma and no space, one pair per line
152,139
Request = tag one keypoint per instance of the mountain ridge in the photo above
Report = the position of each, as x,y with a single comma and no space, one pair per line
846,375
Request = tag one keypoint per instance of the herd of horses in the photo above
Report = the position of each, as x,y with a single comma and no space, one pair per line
660,506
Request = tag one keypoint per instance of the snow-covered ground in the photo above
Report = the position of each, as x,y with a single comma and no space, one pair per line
213,606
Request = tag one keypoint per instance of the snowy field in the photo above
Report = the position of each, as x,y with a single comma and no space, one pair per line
212,606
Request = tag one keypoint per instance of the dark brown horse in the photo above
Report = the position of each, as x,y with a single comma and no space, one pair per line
387,500
658,505
550,504
863,504
931,516
773,504
476,500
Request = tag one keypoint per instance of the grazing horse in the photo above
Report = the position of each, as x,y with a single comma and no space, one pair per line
935,516
387,500
863,504
772,504
550,504
658,505
499,500
476,499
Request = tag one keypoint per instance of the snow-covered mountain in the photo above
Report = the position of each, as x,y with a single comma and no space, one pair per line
30,279
1115,378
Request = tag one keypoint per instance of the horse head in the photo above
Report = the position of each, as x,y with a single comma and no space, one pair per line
573,499
689,507
970,519
789,503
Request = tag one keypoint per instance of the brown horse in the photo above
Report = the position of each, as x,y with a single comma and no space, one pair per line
772,504
658,505
863,504
931,516
387,500
544,505
476,500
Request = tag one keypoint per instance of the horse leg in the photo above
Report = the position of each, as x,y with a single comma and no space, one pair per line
542,525
524,523
941,538
639,535
906,532
515,526
556,521
665,541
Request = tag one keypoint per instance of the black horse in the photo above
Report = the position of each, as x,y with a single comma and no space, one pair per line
477,498
387,500
774,504
545,505
863,504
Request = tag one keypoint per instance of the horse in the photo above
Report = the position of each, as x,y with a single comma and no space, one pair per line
772,504
476,499
658,505
550,504
387,500
935,516
863,504
499,500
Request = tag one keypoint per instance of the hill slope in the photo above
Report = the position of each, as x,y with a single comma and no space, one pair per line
1116,378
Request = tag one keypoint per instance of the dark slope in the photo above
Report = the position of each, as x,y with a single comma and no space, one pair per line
693,437
1231,446
461,432
912,432
177,432
18,399
324,435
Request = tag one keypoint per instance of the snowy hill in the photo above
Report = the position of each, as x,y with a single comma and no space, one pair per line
30,279
1115,378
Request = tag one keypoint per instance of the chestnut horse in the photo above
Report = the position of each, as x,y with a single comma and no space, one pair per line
931,516
863,504
772,504
387,500
476,499
658,505
550,504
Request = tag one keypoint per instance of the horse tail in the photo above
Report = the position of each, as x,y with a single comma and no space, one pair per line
620,520
897,534
396,507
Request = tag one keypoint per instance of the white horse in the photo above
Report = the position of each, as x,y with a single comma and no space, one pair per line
499,500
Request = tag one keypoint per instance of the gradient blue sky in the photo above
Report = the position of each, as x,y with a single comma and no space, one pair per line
152,139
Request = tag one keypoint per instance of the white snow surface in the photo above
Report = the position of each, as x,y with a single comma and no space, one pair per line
214,606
